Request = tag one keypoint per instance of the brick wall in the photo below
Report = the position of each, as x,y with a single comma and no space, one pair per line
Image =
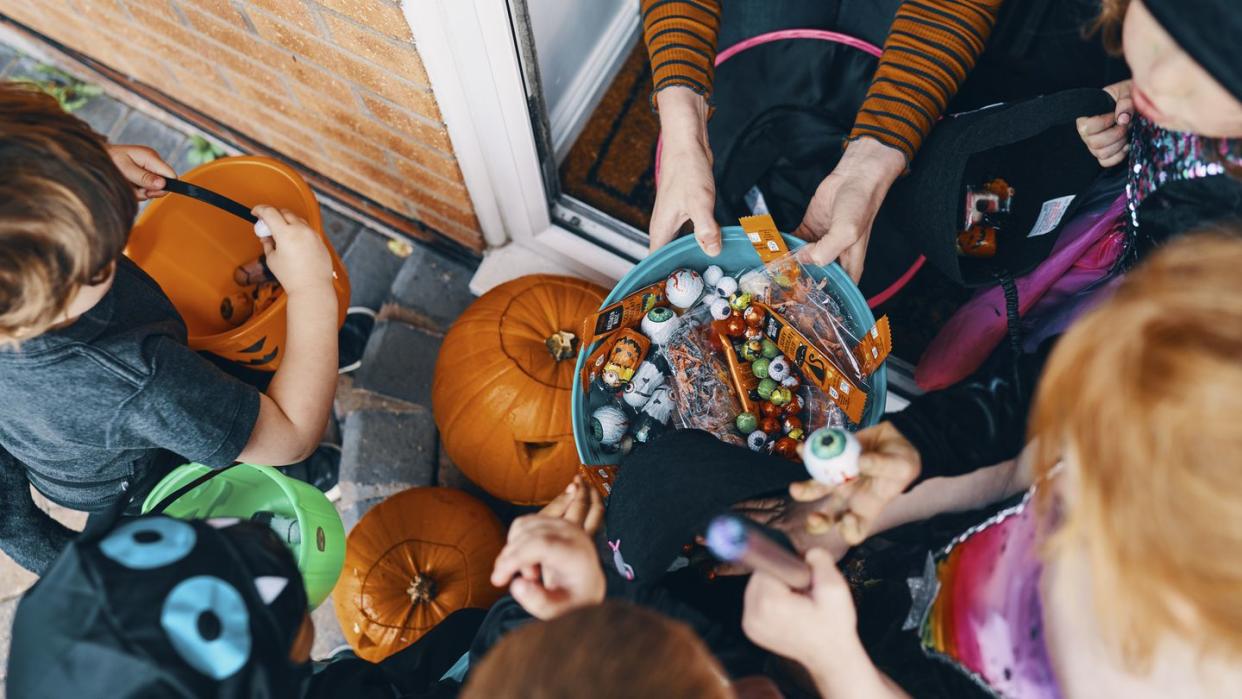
336,85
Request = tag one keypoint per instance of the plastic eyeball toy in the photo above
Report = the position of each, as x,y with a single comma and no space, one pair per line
761,368
832,456
659,325
720,309
726,287
683,287
712,274
747,423
779,368
757,441
608,425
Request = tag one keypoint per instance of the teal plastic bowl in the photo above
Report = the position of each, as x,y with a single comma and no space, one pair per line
737,255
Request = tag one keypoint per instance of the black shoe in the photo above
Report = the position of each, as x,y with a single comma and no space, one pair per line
352,340
321,469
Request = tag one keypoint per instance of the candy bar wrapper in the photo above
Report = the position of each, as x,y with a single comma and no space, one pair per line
626,313
764,235
739,372
623,352
600,478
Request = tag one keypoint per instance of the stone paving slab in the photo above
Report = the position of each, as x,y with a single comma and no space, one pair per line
104,114
340,230
140,129
400,362
372,268
328,635
439,288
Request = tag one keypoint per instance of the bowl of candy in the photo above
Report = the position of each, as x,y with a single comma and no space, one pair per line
751,346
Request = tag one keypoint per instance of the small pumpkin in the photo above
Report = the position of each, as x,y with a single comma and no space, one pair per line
501,394
412,560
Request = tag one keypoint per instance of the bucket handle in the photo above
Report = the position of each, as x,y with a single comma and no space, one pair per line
207,196
179,492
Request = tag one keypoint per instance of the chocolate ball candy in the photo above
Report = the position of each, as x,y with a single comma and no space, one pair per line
770,425
765,388
779,369
747,423
767,409
798,434
750,350
726,286
735,326
712,274
757,441
740,301
793,407
786,447
780,395
770,350
792,422
720,309
608,425
683,287
754,333
760,368
753,317
659,324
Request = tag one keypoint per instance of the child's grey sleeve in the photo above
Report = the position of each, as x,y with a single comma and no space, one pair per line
192,408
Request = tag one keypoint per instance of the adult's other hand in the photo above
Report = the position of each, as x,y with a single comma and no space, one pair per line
839,218
1108,135
687,189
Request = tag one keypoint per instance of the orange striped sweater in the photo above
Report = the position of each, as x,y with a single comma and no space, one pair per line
931,47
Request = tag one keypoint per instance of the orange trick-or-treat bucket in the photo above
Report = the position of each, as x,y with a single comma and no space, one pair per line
192,249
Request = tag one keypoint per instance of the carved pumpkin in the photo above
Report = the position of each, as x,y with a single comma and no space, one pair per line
502,386
412,560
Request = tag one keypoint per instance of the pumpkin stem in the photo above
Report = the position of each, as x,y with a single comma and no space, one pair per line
422,589
563,345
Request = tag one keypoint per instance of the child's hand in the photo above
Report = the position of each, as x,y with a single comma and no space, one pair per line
1108,135
806,627
144,168
579,504
550,565
296,254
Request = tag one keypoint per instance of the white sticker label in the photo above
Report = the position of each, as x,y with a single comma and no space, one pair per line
1050,215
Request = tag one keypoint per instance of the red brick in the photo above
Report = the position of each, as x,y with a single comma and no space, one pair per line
235,38
295,12
399,57
427,160
382,16
403,118
470,237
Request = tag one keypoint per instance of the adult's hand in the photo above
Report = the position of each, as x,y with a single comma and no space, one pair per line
578,504
889,463
1108,135
687,189
144,168
838,220
550,565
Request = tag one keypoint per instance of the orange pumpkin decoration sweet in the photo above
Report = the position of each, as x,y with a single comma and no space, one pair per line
501,394
412,560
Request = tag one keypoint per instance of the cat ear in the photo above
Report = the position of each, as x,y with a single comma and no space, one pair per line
223,522
270,587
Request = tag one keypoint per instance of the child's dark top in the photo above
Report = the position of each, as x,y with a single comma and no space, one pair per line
91,408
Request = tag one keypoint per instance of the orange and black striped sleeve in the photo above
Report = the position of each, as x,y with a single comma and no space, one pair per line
681,40
931,48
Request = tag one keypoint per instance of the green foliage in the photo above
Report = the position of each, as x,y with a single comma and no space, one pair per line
202,151
71,93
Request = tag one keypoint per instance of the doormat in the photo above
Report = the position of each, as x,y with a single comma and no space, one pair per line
612,164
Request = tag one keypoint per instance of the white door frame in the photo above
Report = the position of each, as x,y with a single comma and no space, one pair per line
469,51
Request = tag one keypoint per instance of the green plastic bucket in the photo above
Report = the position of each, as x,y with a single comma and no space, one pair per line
243,490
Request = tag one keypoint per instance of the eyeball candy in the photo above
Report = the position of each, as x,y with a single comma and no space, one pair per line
659,324
726,287
608,425
747,423
757,440
755,283
712,274
778,368
683,287
720,309
660,407
831,456
642,385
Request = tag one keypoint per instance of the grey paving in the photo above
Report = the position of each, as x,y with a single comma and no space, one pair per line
23,68
385,452
341,230
399,363
103,113
437,287
7,56
372,268
141,129
7,608
328,636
